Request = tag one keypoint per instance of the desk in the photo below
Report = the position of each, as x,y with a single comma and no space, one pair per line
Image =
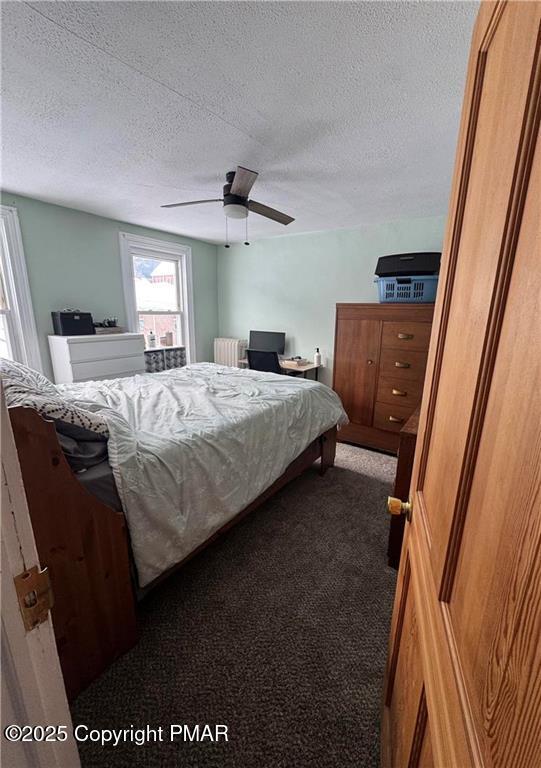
291,367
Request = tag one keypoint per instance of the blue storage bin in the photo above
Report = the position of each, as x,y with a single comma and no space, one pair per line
410,290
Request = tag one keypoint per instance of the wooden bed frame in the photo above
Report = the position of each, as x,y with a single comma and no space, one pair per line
84,543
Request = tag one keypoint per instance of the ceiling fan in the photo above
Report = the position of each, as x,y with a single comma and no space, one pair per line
236,204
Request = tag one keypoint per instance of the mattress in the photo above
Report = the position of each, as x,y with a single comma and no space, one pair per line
190,448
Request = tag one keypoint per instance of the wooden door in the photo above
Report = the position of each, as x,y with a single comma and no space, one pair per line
463,681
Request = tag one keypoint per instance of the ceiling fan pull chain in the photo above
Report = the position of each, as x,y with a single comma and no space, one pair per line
246,241
226,245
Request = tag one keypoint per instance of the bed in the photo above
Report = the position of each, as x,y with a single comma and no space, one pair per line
188,452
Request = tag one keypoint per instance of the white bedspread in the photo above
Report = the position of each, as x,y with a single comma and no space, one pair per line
191,447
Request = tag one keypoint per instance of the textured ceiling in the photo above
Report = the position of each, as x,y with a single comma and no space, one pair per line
349,111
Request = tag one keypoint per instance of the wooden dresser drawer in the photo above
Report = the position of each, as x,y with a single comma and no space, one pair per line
392,417
406,335
406,365
399,392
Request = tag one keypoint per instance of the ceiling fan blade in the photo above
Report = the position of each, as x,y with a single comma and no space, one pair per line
193,202
243,181
270,213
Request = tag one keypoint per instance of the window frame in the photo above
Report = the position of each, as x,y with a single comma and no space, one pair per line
148,247
20,320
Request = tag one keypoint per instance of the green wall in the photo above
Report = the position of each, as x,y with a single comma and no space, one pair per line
287,283
73,260
292,283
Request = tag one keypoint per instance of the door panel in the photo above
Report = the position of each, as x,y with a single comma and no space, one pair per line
485,216
473,544
405,692
356,366
426,758
500,655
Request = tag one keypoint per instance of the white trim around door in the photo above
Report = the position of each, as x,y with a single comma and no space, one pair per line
149,247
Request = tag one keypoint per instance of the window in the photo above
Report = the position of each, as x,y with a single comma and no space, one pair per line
157,299
157,289
18,335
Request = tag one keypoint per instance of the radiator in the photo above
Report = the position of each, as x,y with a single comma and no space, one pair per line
229,351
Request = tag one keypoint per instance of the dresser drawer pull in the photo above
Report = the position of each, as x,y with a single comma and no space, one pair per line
402,365
405,336
399,393
395,420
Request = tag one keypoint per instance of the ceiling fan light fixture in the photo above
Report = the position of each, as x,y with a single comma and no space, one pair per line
235,199
236,211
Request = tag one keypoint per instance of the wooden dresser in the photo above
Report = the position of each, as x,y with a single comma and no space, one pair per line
380,353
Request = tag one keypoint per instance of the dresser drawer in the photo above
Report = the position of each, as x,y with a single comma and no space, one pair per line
108,369
406,365
392,417
399,392
105,349
406,335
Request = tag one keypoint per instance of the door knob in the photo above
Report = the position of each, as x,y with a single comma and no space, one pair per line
397,507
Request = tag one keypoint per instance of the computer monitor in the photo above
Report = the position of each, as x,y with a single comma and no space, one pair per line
269,341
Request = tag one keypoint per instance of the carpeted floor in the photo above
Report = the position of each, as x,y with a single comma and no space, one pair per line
279,631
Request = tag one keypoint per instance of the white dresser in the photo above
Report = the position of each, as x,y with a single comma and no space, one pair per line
103,356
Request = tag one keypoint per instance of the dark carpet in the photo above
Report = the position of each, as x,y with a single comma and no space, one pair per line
278,630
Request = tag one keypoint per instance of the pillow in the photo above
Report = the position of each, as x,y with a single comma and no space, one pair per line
30,389
18,375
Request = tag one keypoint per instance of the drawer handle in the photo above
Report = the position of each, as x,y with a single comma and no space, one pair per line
395,420
402,365
399,393
405,336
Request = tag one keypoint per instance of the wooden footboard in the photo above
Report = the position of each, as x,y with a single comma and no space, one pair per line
84,544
